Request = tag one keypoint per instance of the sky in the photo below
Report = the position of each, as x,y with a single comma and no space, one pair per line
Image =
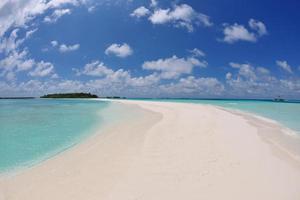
151,48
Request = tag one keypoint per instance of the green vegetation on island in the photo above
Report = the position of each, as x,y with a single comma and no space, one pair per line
115,97
70,95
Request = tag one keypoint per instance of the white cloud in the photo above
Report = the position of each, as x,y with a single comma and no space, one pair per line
116,80
173,67
91,9
10,43
140,12
245,70
21,13
228,76
42,69
64,48
197,52
10,76
30,33
236,32
95,68
180,16
58,3
26,65
291,86
121,82
285,66
262,71
119,50
14,62
56,15
248,72
54,43
144,81
105,81
18,13
258,26
153,3
258,82
191,86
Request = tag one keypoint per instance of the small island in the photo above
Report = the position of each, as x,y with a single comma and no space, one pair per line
70,95
115,97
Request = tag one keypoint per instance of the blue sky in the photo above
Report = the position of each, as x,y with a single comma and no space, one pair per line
215,48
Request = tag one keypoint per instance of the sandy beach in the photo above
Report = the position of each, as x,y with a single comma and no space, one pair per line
174,151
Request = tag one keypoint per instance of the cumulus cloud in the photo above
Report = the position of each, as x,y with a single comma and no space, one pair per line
10,43
54,43
173,67
21,13
258,82
30,33
106,82
192,86
197,52
153,3
244,80
14,59
43,69
258,26
95,68
236,32
56,15
15,62
182,15
19,61
116,80
140,12
245,70
63,48
285,66
17,15
228,76
119,50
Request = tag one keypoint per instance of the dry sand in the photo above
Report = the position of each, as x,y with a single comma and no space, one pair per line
175,151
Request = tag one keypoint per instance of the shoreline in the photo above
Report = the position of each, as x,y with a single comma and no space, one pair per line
107,124
289,130
273,132
174,151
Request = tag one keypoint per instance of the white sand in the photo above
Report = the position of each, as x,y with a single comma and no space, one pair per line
176,151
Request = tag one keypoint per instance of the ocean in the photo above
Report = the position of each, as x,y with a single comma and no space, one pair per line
33,130
36,129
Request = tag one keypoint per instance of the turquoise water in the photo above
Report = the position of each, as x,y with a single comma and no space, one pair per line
36,129
286,113
33,130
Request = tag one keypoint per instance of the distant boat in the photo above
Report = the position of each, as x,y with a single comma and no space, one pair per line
279,99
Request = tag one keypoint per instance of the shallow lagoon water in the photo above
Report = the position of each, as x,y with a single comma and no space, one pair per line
36,129
286,113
